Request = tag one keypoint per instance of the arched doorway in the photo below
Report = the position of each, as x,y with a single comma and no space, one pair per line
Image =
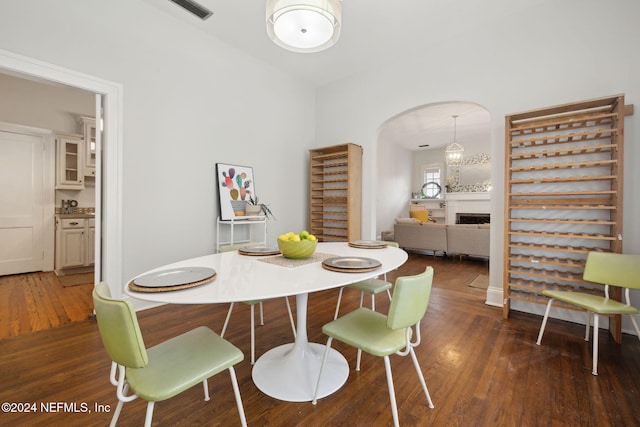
415,140
411,148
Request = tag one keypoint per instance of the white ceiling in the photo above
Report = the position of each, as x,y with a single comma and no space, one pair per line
374,32
433,125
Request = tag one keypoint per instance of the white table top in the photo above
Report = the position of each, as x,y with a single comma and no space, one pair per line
244,278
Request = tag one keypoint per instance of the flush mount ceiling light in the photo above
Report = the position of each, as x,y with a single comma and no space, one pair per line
454,151
304,26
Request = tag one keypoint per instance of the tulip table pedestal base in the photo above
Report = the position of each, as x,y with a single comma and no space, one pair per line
290,372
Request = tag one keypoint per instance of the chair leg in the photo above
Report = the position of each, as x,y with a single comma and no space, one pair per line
421,377
588,326
236,392
261,315
596,319
335,316
392,393
373,302
324,361
253,335
544,321
293,325
389,294
635,325
116,413
358,359
361,298
226,321
205,384
147,419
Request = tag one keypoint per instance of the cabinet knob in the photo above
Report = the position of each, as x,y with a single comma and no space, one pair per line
74,223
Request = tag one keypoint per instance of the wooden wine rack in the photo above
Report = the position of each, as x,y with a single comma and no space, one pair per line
563,196
335,207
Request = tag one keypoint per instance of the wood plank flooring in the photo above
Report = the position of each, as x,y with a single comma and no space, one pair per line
481,370
37,301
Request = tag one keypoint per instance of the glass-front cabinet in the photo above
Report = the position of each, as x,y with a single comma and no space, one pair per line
89,130
70,173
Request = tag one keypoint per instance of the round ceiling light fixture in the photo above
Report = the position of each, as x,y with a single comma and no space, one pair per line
304,26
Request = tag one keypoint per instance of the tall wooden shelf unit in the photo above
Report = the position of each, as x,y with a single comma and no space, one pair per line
335,196
563,191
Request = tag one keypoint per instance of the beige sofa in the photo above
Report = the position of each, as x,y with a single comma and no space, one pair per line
460,239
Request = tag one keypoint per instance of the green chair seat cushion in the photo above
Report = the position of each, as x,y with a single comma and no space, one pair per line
372,286
182,362
594,303
367,330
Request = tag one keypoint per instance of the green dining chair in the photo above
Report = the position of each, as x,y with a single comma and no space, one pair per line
609,269
371,286
383,335
164,370
252,304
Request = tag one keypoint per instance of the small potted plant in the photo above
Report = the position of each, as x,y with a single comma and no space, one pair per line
256,208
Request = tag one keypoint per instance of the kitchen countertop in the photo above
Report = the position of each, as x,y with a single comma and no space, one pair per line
76,215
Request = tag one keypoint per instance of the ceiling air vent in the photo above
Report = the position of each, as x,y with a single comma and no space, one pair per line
193,7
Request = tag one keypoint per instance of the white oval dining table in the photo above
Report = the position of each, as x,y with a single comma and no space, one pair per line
288,372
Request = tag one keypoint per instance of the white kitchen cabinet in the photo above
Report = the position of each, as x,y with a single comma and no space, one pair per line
89,132
69,163
91,241
75,239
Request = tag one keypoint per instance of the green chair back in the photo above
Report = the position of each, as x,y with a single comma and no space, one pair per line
613,269
119,329
410,300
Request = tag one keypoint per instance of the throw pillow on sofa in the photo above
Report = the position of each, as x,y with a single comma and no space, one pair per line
419,213
422,216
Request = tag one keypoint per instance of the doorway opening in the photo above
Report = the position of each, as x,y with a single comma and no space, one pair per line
108,163
413,169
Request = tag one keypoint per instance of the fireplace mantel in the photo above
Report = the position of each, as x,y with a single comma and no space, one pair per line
466,203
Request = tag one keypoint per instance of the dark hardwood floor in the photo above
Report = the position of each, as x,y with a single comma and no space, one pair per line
481,370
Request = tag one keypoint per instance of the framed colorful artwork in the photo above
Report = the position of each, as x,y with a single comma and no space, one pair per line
235,186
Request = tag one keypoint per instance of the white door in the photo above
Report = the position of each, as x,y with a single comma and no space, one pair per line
21,203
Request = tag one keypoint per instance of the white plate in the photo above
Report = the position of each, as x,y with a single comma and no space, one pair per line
369,244
352,263
258,250
174,277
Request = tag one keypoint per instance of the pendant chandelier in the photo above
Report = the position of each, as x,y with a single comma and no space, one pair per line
304,26
454,151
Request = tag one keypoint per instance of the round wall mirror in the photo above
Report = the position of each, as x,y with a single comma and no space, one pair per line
431,190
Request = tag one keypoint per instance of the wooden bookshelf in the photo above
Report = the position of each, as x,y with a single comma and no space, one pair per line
335,194
563,196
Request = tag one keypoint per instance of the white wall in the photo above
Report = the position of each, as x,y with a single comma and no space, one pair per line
421,159
556,53
189,101
37,104
394,183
